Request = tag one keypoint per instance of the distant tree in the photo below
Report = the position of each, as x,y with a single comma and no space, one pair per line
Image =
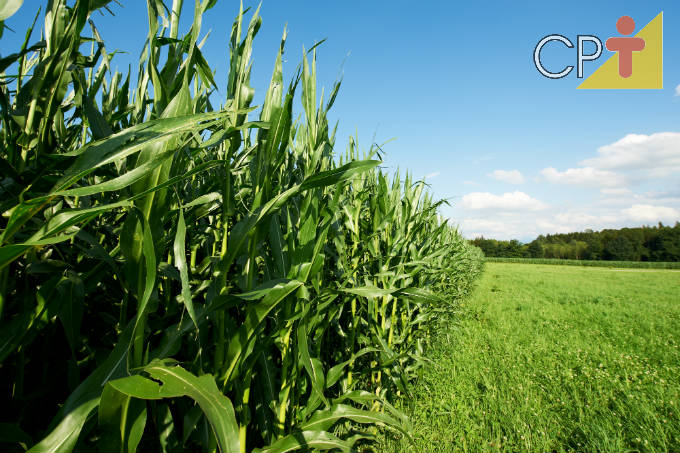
578,249
594,249
535,249
513,249
666,245
620,249
648,243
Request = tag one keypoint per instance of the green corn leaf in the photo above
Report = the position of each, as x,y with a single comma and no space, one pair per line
312,365
337,175
64,437
336,372
281,259
240,232
71,292
149,253
263,289
173,382
175,179
204,199
418,295
369,291
181,265
256,314
358,396
49,232
323,420
8,8
306,441
268,385
120,182
122,420
132,140
71,217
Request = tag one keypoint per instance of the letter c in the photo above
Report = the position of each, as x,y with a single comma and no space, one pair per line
537,56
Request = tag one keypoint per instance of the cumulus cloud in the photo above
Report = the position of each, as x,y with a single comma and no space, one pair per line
635,158
509,201
585,176
432,175
526,225
509,176
651,213
658,155
677,90
634,181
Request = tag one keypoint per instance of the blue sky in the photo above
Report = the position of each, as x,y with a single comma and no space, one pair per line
454,84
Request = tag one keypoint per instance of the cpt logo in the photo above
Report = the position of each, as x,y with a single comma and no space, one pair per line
637,61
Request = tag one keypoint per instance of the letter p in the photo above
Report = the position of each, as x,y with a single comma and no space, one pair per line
581,57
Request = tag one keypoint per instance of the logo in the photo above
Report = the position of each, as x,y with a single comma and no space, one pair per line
636,61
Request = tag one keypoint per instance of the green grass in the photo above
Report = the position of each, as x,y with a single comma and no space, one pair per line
555,358
593,263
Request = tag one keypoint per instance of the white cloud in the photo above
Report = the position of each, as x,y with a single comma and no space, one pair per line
509,201
527,225
630,182
651,213
432,175
585,176
672,195
657,155
576,218
505,230
509,176
634,159
677,90
616,191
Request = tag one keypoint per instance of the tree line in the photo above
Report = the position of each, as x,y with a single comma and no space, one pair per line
645,243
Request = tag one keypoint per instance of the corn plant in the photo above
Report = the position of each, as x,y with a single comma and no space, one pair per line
177,276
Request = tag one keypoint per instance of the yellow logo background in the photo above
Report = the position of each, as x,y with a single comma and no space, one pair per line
647,64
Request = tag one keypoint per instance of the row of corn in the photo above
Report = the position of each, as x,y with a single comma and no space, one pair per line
176,276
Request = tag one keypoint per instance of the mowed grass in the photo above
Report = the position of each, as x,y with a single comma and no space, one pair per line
555,358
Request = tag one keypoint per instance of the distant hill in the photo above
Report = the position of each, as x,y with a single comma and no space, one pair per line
646,243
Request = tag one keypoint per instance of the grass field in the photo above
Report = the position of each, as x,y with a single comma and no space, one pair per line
592,263
555,358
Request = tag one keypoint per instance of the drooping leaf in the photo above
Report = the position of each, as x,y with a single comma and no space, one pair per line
173,382
8,8
306,441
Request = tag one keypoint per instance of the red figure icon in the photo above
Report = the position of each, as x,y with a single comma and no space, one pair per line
625,46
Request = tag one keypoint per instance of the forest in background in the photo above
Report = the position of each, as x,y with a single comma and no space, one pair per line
645,243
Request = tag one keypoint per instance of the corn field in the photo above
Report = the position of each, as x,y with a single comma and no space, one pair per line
178,276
